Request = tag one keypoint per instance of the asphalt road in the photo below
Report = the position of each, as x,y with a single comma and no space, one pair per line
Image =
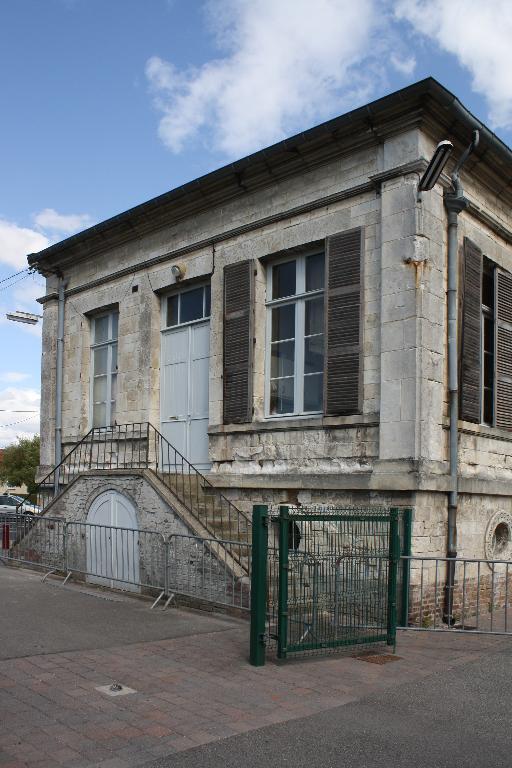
51,618
461,718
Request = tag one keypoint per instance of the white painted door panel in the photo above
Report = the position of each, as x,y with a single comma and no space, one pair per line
113,542
184,393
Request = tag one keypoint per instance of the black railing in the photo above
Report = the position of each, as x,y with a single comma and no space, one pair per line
214,512
141,446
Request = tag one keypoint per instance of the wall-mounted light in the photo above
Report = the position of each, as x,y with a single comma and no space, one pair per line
436,165
177,271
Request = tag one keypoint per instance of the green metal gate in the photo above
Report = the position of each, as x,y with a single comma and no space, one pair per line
326,577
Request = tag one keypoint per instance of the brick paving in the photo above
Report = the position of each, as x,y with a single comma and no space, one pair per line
189,690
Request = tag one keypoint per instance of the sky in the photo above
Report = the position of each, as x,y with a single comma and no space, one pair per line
107,103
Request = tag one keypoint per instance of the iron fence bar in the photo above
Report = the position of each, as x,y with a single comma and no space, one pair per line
394,557
406,566
258,584
282,615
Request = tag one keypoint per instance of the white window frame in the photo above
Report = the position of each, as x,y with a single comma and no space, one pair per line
109,343
179,293
299,298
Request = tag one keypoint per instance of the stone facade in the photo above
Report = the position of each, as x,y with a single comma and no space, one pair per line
396,449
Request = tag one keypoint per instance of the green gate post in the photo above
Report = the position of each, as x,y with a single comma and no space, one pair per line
394,559
406,567
282,616
258,584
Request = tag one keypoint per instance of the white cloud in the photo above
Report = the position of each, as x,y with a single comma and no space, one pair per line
52,221
13,377
16,242
479,35
12,424
405,66
285,65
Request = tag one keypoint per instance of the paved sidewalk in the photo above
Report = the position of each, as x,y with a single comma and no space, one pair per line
190,689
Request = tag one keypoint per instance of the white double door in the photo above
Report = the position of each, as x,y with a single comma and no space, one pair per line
185,366
113,542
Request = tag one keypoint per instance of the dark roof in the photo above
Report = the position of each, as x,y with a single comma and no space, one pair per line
425,103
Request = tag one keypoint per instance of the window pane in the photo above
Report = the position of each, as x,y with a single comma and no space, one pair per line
283,359
283,322
115,323
283,280
172,311
191,305
100,360
112,413
113,387
313,392
314,316
100,329
315,269
281,395
99,412
99,394
207,301
314,354
113,367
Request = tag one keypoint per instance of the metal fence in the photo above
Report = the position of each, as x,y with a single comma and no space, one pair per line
459,595
207,570
324,577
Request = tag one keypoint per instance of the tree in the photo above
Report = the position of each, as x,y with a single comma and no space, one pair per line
20,461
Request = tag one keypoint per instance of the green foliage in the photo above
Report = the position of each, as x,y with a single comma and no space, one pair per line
20,462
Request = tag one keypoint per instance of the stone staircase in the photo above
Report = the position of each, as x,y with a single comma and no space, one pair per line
140,447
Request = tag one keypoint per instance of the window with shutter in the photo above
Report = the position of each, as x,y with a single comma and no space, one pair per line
295,334
238,341
342,370
471,346
503,349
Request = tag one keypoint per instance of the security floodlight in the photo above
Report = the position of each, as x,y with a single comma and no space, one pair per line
24,317
436,165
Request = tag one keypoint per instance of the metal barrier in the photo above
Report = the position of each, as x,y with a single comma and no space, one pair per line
208,570
34,540
120,558
476,600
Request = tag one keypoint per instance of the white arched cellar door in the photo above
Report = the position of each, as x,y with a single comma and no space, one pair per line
113,542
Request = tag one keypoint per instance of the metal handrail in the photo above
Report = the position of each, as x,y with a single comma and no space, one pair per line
141,446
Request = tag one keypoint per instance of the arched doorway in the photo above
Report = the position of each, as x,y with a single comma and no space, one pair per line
113,542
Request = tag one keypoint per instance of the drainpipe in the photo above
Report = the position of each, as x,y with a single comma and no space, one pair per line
58,379
454,202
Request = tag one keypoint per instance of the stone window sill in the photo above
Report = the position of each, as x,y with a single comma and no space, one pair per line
297,424
481,430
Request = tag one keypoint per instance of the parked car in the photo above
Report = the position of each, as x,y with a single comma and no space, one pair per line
9,502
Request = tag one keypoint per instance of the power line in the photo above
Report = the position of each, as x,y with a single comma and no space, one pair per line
9,410
6,287
14,423
5,279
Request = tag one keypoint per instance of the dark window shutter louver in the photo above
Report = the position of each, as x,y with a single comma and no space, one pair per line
343,323
471,352
503,349
238,342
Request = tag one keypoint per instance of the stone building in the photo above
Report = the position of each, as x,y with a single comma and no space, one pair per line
282,322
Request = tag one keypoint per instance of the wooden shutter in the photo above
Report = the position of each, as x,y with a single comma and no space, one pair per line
471,344
342,391
238,341
503,349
